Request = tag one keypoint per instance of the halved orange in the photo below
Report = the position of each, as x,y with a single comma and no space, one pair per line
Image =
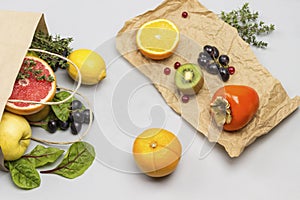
157,152
35,82
157,39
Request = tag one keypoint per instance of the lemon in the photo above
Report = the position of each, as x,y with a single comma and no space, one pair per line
91,65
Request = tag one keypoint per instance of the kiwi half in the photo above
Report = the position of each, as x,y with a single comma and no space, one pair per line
189,79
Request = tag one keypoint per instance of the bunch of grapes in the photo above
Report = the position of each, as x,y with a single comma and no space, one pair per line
78,116
214,63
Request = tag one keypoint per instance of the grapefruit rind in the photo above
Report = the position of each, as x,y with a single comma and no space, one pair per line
36,107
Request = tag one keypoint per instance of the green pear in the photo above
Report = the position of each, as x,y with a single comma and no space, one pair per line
15,134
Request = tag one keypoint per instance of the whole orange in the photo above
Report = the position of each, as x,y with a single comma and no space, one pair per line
157,152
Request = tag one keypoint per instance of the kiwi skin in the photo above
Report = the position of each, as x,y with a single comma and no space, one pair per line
192,87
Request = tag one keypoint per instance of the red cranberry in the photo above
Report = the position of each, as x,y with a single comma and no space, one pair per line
231,70
177,65
184,14
185,98
167,71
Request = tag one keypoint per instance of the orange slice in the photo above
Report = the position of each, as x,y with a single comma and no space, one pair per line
35,82
157,39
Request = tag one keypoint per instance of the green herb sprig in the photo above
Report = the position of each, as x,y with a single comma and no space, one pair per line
248,25
29,70
53,44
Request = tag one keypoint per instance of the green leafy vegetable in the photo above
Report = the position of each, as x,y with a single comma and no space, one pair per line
62,111
41,155
44,122
54,44
247,25
77,160
24,174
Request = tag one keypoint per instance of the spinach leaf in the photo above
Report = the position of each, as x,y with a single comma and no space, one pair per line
76,161
41,155
24,174
62,111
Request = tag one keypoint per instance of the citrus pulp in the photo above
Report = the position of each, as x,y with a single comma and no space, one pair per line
157,39
35,82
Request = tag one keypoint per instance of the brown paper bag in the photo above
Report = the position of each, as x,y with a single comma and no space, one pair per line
16,32
200,28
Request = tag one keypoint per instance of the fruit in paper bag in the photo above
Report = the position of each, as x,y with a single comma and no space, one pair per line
234,106
35,82
157,39
42,114
15,134
157,152
189,79
91,65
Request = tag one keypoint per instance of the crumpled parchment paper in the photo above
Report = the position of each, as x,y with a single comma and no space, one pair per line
203,27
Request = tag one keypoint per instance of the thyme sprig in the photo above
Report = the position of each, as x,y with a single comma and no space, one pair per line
248,25
54,44
29,70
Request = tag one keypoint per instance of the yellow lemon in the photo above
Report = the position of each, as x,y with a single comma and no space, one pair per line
157,39
91,65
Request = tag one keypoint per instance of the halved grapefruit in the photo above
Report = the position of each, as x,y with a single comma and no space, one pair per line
35,82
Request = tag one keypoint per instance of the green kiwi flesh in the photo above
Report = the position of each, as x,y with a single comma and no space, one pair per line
189,79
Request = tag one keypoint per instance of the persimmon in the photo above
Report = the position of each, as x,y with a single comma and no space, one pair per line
234,106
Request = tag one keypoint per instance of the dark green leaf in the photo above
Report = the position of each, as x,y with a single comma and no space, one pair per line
24,174
41,155
62,111
77,160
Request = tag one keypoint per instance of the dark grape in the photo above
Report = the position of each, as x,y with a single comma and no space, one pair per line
204,55
76,128
224,74
203,62
71,118
76,105
52,126
86,116
213,68
215,53
78,117
224,60
208,49
63,125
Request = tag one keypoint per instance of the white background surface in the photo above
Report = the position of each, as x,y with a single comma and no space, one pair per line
268,169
